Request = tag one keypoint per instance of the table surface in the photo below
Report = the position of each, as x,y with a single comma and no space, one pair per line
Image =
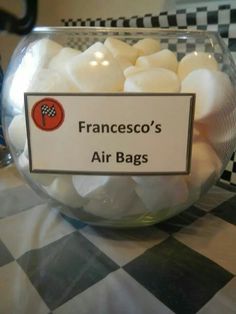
50,264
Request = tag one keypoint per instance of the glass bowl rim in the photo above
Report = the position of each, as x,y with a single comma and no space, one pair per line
172,30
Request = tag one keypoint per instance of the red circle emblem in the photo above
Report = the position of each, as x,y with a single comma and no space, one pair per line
48,114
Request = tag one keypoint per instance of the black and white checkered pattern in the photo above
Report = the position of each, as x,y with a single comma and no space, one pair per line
220,18
229,174
50,263
48,111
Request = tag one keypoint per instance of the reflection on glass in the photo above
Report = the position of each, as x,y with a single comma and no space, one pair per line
22,79
99,55
105,63
93,63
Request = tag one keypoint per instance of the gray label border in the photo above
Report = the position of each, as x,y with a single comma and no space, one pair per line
87,172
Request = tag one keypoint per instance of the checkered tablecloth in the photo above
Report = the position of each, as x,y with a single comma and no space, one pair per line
51,264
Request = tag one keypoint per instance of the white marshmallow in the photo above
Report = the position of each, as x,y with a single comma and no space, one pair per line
205,166
123,62
148,180
194,61
43,178
95,70
199,134
51,81
15,86
213,90
58,63
196,134
43,50
36,57
113,200
40,178
153,80
119,48
220,131
147,46
133,69
136,207
161,192
85,185
17,132
162,59
62,190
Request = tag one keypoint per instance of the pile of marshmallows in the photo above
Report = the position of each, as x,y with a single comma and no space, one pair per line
115,66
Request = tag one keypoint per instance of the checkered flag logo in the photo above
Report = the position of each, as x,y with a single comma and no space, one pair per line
47,111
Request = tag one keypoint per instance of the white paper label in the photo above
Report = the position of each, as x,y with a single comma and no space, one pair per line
110,133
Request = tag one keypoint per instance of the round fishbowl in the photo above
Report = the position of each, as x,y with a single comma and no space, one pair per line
110,82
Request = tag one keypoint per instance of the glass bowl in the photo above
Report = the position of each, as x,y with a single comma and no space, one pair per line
81,60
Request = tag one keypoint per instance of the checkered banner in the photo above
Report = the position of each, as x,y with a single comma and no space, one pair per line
220,18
